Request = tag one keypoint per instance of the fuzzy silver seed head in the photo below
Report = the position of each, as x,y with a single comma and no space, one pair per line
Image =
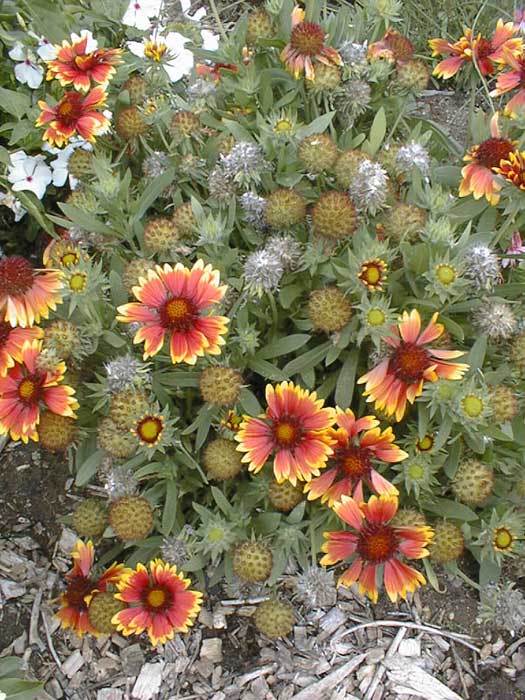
354,98
201,90
157,163
174,550
354,56
316,587
413,155
124,373
496,319
245,163
254,207
482,267
288,248
119,482
503,606
369,188
263,271
220,185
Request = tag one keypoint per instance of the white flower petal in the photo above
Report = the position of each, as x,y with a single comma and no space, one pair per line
29,74
196,16
46,50
175,42
179,66
18,52
139,13
137,48
210,41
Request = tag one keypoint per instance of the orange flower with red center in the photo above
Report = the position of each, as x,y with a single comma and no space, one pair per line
74,114
12,341
373,274
160,602
513,169
81,586
393,46
376,543
510,80
359,443
294,427
487,52
479,176
27,294
23,390
400,377
74,65
306,45
173,302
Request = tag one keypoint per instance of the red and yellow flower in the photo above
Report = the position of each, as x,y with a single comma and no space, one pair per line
479,176
25,387
373,274
359,442
173,302
393,46
81,586
510,80
73,64
306,45
401,376
512,169
27,294
375,543
159,602
12,341
295,427
74,114
486,52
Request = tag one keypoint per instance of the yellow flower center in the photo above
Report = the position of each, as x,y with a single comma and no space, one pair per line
373,273
149,429
375,317
503,539
416,472
156,597
27,389
283,125
78,281
69,259
425,444
472,405
155,50
286,433
178,314
215,534
445,274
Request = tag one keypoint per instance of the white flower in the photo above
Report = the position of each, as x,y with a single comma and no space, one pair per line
26,72
7,200
29,173
210,41
60,164
196,16
46,50
168,50
140,12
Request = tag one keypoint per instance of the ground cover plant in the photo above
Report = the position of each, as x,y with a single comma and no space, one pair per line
274,314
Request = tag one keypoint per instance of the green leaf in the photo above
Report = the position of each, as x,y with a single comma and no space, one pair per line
249,402
318,125
377,131
10,666
116,341
169,514
489,572
346,382
152,192
450,509
308,359
81,218
452,327
235,129
283,346
15,103
477,353
221,500
88,468
267,370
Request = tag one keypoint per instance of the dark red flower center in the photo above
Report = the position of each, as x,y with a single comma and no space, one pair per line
157,598
489,153
409,361
5,330
178,314
78,588
484,48
287,432
307,38
16,275
30,388
377,543
150,428
354,461
401,47
70,108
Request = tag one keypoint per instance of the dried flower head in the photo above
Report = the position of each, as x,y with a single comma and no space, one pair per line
124,372
496,319
355,57
369,189
482,267
244,164
354,98
119,482
315,587
413,155
155,164
254,208
263,271
288,248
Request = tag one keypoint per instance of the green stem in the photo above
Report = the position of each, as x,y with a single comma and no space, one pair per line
273,307
217,18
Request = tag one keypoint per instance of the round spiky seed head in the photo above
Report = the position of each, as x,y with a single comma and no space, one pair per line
102,608
63,337
90,518
134,270
130,123
184,219
409,517
184,124
137,88
327,78
56,433
221,460
448,542
82,199
517,352
346,166
329,309
118,442
285,496
413,75
252,561
317,153
259,26
220,386
274,618
285,208
334,216
160,235
128,406
504,404
404,222
131,518
473,482
80,163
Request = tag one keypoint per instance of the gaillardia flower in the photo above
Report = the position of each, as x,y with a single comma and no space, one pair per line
26,294
512,168
172,302
294,426
486,52
359,442
376,542
74,114
81,586
393,46
23,390
12,341
74,63
159,602
306,44
480,175
401,375
511,80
